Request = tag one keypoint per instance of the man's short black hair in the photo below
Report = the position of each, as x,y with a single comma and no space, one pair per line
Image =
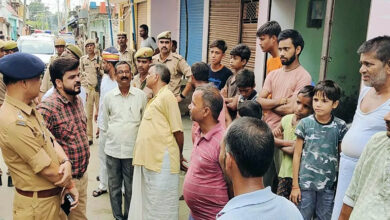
380,45
220,44
270,28
245,78
60,66
122,63
328,88
250,108
212,99
9,80
144,27
174,43
251,143
242,51
200,71
163,71
295,37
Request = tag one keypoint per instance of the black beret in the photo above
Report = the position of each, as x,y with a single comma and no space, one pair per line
21,66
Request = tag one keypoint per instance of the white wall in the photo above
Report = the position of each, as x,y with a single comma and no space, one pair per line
282,11
164,16
379,19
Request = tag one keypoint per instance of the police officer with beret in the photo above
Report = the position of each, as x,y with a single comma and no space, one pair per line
91,70
126,54
39,167
143,58
46,84
176,65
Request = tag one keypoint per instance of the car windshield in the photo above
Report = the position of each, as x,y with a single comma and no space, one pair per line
37,46
68,39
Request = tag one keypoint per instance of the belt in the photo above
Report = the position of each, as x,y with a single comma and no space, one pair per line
78,176
41,194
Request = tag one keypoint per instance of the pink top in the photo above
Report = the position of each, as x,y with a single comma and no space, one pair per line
204,188
221,120
282,84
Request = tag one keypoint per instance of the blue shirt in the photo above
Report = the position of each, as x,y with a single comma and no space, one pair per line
260,204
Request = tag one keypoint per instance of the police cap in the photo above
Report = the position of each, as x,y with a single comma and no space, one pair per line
145,52
21,66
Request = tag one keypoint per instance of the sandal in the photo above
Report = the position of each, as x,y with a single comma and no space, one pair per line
98,192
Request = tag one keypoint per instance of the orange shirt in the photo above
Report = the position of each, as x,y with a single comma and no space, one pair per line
273,63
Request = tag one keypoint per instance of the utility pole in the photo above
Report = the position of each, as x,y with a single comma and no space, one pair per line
58,16
24,17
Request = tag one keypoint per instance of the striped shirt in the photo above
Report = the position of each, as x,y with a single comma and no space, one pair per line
204,188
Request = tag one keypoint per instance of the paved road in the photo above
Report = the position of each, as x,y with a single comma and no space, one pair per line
97,208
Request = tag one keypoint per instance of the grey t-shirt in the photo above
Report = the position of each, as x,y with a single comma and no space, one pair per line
149,42
319,162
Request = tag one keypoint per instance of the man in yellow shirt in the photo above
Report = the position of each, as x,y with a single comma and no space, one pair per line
158,152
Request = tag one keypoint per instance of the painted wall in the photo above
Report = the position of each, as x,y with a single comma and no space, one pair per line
349,32
379,19
311,55
165,16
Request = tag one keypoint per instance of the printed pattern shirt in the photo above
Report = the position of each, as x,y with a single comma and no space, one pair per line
319,162
67,122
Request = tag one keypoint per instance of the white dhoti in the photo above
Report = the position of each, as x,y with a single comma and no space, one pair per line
155,195
347,166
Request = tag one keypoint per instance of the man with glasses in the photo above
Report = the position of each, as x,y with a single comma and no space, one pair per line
123,108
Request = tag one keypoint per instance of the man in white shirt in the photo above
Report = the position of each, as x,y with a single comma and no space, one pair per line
123,108
110,58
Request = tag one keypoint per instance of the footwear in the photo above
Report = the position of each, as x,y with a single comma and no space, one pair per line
98,192
97,178
90,142
10,184
181,197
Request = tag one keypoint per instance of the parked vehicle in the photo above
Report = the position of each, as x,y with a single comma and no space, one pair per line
40,45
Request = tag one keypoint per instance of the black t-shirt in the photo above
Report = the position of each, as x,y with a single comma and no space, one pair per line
219,78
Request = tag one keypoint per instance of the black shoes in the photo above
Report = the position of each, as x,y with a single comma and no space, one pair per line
90,142
10,184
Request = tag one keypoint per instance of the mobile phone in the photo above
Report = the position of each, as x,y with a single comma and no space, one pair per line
68,200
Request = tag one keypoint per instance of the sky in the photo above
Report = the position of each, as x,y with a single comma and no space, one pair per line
52,4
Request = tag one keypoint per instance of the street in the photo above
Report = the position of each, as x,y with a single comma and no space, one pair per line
99,207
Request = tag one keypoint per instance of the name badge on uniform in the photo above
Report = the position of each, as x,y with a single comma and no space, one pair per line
21,121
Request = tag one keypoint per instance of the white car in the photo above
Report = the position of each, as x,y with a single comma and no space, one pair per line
41,46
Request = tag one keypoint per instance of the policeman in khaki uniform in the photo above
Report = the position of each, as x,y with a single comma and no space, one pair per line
46,84
90,69
38,165
176,65
10,47
126,54
143,59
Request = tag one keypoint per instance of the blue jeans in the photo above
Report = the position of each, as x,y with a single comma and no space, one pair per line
318,202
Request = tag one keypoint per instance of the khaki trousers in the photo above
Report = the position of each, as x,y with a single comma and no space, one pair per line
80,212
26,208
92,102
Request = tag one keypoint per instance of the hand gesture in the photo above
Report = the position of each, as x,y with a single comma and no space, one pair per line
66,170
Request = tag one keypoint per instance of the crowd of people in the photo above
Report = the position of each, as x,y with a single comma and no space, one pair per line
277,153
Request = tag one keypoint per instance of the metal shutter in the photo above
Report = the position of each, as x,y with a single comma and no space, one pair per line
224,24
142,18
195,30
250,13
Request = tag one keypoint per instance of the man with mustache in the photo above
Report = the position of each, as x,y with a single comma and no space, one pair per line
283,84
176,64
123,108
144,59
65,118
373,105
90,70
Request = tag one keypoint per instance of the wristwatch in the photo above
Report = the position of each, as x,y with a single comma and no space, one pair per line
66,159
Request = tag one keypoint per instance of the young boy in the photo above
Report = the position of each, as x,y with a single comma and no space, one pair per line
316,153
245,81
250,108
239,57
285,137
218,73
268,36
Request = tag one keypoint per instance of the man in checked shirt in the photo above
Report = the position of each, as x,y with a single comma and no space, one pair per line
64,115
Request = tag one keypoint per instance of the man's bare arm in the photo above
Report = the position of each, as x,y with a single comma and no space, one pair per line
346,211
267,104
286,109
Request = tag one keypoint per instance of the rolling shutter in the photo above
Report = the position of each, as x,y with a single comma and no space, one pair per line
142,18
250,13
224,24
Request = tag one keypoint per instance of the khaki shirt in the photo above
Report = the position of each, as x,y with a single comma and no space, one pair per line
155,135
2,89
88,72
178,68
26,144
136,82
128,56
46,83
